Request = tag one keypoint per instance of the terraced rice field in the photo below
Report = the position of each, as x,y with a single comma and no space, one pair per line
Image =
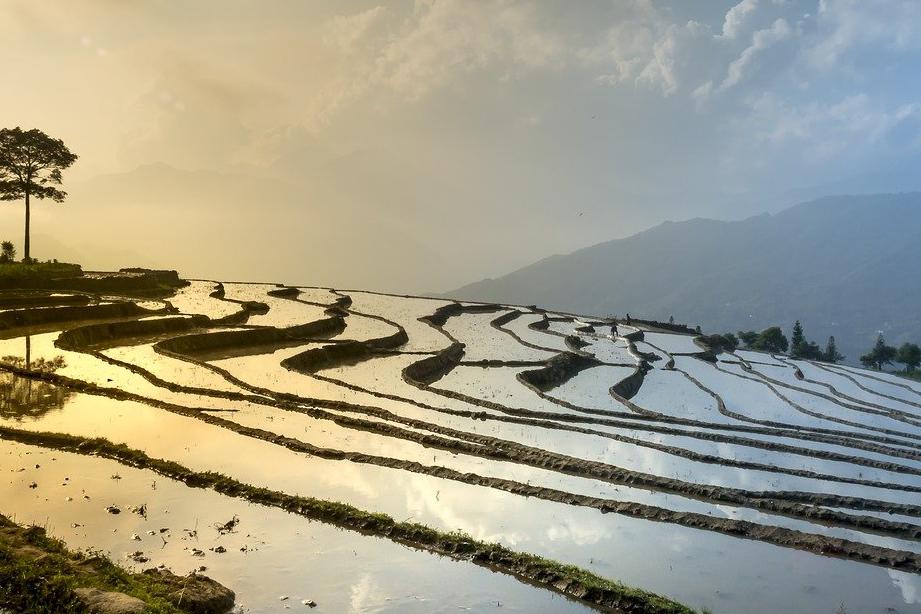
742,483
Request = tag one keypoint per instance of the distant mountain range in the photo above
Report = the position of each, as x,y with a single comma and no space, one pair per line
847,266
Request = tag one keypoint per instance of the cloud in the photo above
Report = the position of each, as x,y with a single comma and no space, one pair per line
643,47
351,32
847,126
843,26
454,110
736,17
449,38
761,40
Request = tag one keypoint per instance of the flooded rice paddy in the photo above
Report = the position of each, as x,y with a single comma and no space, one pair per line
749,485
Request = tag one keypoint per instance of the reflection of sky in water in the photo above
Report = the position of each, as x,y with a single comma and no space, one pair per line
909,584
347,572
284,554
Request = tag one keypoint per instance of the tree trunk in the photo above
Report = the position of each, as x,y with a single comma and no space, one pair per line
25,246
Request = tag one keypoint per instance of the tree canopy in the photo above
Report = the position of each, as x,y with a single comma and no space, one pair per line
771,340
748,337
831,353
880,355
31,163
909,354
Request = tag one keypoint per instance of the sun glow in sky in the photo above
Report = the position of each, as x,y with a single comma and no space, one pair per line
418,146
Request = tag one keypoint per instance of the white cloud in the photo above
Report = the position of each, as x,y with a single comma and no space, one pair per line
436,45
644,47
846,126
449,38
847,25
761,40
736,18
350,32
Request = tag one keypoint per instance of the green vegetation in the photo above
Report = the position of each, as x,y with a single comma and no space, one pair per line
550,574
910,356
38,574
773,340
748,337
721,343
21,276
7,252
880,355
31,163
801,348
770,340
797,338
831,352
915,375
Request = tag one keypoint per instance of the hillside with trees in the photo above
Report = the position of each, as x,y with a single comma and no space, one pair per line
846,267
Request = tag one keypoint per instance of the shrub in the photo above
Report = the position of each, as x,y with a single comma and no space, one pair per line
7,251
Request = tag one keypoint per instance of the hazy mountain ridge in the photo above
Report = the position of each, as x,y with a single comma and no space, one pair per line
846,266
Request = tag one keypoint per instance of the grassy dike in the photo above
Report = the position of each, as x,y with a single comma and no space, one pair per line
574,582
38,574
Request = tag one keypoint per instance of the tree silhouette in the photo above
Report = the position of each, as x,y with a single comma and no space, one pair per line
24,398
748,337
831,352
771,340
910,356
797,339
880,355
7,251
30,167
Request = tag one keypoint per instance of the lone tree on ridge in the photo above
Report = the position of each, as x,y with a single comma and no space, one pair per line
30,167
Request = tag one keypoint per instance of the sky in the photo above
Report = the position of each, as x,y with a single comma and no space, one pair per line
418,146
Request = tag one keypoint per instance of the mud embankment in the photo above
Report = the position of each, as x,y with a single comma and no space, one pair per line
567,580
891,412
515,453
346,352
487,447
247,308
668,327
628,387
42,300
829,546
576,343
556,371
133,282
284,292
240,342
635,336
72,313
441,314
837,397
656,423
868,442
97,336
432,368
838,369
773,385
857,383
568,423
